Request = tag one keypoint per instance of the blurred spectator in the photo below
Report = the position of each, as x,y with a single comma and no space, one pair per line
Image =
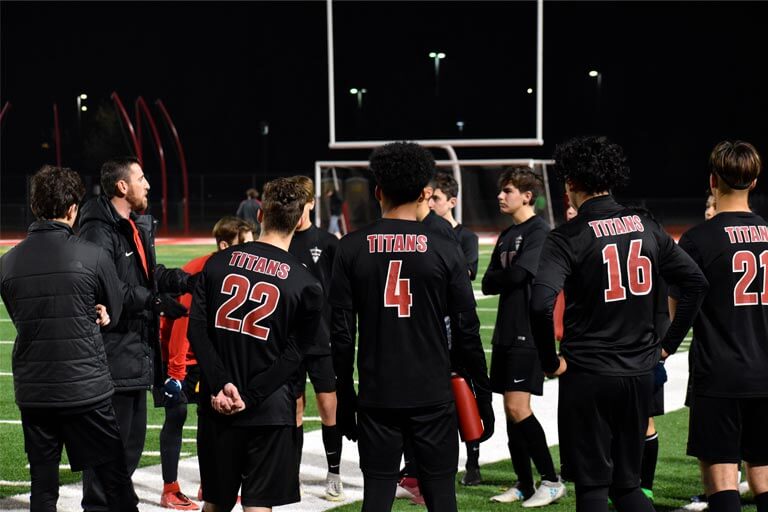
334,224
249,208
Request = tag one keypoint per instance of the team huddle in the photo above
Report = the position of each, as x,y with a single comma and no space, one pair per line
379,321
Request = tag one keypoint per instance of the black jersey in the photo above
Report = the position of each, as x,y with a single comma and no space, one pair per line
255,311
730,358
438,224
608,260
402,280
510,273
470,247
316,248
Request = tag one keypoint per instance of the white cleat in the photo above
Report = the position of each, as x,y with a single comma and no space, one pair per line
743,488
510,495
334,489
548,492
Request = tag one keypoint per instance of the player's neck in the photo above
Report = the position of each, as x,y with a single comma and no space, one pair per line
279,240
422,210
579,198
522,215
449,218
407,211
122,207
733,202
305,224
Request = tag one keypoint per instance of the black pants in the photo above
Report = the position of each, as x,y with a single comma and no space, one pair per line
92,441
131,412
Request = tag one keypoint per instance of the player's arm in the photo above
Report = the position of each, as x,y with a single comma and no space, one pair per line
471,249
178,344
173,280
110,288
525,265
690,287
554,268
200,338
489,285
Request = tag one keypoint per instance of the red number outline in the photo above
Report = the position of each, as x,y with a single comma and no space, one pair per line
396,290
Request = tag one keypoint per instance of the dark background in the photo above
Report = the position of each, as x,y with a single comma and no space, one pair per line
677,77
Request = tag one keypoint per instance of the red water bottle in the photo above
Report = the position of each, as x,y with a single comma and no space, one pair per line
470,426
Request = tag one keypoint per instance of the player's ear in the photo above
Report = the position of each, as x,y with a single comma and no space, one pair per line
753,185
72,211
452,202
121,188
223,245
377,193
712,182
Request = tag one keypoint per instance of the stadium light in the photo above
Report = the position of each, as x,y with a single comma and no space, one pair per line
594,74
83,96
437,57
83,108
359,93
529,90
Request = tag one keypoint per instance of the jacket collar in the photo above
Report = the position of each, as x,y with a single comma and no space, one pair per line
49,225
599,204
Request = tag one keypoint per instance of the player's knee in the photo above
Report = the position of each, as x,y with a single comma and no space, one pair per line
517,412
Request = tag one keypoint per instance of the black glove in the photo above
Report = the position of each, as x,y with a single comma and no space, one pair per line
346,414
489,419
191,282
167,306
659,376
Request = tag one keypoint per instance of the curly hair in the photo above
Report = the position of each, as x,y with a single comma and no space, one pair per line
592,164
54,190
737,163
402,170
283,201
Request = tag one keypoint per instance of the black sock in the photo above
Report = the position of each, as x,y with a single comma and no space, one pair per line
591,499
170,441
299,444
473,455
537,447
332,444
378,495
45,486
761,500
724,501
521,461
439,494
650,456
630,500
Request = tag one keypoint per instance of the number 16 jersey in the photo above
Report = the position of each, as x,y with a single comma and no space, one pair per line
401,280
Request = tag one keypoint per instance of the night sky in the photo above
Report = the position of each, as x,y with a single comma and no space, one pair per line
676,78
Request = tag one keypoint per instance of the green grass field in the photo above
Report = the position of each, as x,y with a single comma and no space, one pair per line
677,477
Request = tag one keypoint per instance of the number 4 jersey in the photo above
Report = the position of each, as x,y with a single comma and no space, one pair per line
607,260
255,310
730,349
402,280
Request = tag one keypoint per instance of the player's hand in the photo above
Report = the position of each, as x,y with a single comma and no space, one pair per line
485,408
659,376
171,391
231,391
168,307
346,414
560,369
664,354
102,317
191,282
221,403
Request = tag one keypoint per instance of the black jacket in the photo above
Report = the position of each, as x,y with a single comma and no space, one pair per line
133,345
51,283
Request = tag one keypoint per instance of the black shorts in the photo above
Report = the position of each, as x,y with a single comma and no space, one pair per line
516,369
656,405
602,422
92,438
432,431
319,368
728,430
263,460
190,388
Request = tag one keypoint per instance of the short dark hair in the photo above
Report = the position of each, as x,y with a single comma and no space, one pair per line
252,193
115,170
737,163
402,170
446,183
282,205
230,227
592,164
523,179
54,190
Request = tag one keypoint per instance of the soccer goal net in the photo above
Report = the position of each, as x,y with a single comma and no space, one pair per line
477,205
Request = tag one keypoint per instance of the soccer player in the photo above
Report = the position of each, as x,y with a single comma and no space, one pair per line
607,260
181,386
515,369
729,403
316,249
255,312
59,290
445,191
400,280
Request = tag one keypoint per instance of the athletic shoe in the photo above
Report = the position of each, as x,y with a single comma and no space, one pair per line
177,501
408,488
512,494
648,493
744,488
548,492
334,489
696,506
472,477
